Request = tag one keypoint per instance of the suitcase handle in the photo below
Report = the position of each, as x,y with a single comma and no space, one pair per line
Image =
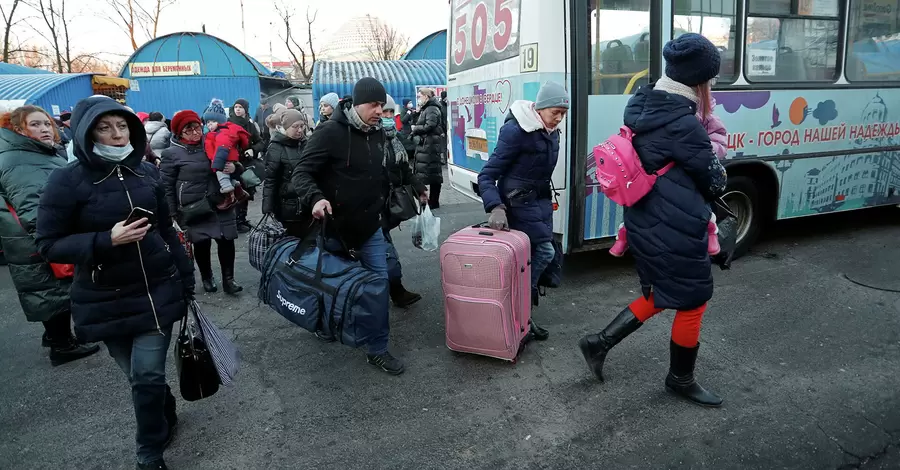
490,234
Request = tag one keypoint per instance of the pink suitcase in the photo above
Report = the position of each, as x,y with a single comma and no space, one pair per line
486,277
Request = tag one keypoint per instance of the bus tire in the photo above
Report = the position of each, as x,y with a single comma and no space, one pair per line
743,199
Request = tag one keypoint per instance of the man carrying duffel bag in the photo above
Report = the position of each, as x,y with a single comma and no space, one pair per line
342,173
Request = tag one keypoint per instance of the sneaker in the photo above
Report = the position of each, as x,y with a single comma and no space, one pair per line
155,465
386,362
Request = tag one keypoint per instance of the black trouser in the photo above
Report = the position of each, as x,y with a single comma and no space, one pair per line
434,196
59,327
203,256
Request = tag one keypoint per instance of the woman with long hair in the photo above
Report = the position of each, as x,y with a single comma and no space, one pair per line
668,228
28,154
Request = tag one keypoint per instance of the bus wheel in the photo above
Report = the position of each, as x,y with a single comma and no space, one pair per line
743,199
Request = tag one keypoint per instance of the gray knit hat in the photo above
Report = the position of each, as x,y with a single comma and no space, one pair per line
552,95
389,104
331,99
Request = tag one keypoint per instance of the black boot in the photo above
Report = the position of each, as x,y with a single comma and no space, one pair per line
228,285
209,284
595,347
680,380
537,333
400,296
68,350
171,415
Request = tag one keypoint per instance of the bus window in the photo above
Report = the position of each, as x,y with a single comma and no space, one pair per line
874,41
784,48
620,46
714,19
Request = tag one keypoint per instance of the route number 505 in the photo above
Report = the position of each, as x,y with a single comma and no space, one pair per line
471,36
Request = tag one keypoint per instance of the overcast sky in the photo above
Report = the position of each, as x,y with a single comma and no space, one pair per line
90,32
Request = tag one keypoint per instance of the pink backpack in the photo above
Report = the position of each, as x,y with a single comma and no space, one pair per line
619,171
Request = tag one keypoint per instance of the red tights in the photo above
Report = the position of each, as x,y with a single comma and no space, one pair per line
685,328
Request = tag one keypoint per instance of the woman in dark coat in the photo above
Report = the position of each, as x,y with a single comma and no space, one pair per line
133,280
240,115
515,183
280,198
187,179
667,229
429,130
27,157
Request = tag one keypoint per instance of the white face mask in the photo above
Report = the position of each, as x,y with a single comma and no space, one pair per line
111,153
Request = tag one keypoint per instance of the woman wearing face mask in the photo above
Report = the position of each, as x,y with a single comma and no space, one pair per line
133,279
27,157
429,129
280,198
187,180
397,164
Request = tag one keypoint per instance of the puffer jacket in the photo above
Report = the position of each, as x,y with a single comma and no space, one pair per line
667,228
518,173
158,135
25,165
187,179
279,195
118,291
429,129
343,164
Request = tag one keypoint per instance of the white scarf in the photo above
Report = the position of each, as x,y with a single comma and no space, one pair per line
668,85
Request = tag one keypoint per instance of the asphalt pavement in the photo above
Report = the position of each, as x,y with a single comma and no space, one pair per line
802,340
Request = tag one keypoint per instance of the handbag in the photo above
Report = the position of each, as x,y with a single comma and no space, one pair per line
60,271
403,204
223,352
197,374
266,233
249,178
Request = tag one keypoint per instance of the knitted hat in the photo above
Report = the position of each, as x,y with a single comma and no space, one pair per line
389,104
368,90
691,59
290,117
143,116
295,101
272,121
244,104
552,95
215,112
183,119
331,99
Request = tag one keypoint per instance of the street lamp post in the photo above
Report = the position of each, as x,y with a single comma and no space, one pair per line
783,166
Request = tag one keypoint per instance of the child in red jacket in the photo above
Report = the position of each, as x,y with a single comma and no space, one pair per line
224,143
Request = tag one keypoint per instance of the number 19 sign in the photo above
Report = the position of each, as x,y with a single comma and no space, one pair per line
484,31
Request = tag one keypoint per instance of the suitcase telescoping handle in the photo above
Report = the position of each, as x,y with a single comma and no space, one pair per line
484,232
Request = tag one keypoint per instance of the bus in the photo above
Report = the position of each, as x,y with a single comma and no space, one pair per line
809,91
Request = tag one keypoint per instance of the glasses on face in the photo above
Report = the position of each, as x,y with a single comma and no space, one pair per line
195,129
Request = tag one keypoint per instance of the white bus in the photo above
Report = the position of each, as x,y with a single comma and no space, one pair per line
809,91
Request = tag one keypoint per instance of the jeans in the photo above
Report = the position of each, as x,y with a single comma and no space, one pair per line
143,359
395,270
543,255
372,255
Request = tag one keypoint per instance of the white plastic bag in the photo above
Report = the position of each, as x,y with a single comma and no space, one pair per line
426,230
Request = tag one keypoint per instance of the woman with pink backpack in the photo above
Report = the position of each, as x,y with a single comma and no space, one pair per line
668,228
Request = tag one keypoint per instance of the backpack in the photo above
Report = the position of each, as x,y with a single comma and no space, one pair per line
619,170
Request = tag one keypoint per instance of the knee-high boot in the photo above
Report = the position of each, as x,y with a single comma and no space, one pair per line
595,347
681,381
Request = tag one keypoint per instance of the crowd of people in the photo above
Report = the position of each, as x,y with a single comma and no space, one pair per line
79,249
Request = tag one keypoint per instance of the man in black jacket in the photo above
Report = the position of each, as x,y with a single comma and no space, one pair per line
342,173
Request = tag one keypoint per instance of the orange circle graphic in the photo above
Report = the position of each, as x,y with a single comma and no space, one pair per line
798,111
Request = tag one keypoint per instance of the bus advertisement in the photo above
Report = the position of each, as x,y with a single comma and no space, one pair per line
812,106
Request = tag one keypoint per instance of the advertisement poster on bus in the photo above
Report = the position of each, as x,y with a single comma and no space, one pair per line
483,31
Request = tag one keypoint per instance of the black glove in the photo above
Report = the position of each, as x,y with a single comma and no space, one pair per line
188,294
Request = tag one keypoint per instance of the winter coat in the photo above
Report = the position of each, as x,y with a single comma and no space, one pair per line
186,179
518,173
260,119
718,136
158,135
344,164
429,130
667,228
228,139
25,165
398,170
279,195
118,291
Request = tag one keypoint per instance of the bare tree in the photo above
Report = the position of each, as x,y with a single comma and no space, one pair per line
135,16
57,33
304,55
9,20
383,41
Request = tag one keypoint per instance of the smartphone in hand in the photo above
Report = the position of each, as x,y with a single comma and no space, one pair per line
139,213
